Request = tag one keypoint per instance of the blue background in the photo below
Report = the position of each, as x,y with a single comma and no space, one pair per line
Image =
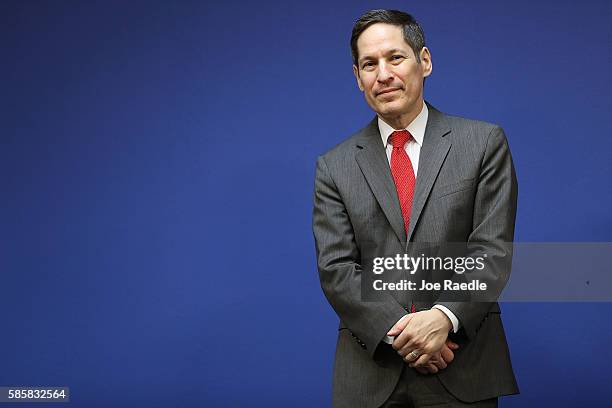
157,163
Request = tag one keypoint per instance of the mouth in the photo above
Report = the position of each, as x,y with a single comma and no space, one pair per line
387,91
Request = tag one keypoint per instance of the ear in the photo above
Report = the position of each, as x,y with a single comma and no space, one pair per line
357,77
426,63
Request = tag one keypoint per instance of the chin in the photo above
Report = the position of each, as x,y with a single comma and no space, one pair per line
390,110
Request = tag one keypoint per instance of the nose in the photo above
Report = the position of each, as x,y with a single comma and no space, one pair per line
384,73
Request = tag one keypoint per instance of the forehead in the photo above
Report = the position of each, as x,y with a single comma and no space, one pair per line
381,37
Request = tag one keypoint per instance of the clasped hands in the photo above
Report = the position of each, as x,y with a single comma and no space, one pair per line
421,339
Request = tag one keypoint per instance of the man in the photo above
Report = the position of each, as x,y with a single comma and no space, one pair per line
412,175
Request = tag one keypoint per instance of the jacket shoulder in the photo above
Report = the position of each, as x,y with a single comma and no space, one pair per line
473,131
473,125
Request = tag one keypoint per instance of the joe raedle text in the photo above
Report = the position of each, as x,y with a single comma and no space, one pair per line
423,285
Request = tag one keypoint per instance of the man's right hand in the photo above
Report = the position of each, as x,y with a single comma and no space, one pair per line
440,360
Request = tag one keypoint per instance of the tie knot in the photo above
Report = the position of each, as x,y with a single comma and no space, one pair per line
399,138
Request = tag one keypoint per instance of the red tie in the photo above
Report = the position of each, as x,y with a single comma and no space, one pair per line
403,173
403,176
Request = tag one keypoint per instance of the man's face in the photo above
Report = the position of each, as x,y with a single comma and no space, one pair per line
388,72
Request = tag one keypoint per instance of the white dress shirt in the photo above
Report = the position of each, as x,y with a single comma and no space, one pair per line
413,150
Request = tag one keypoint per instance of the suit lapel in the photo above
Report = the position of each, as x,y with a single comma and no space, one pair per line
433,152
372,161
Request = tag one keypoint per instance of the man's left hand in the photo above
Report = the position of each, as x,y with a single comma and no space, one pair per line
422,334
440,360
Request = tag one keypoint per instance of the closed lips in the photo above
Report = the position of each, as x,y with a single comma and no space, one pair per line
384,91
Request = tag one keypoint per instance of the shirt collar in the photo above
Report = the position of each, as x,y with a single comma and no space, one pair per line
416,127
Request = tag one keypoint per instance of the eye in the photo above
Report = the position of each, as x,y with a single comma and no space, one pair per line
397,57
368,65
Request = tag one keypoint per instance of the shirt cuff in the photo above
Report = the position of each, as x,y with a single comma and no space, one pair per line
389,339
451,316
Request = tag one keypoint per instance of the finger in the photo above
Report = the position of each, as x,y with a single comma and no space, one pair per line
401,340
399,326
452,345
404,322
404,351
409,345
440,364
423,370
411,356
421,361
447,354
427,369
437,360
395,330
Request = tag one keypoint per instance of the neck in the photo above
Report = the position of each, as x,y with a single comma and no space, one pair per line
402,121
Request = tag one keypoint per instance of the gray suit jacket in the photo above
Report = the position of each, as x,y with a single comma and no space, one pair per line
466,191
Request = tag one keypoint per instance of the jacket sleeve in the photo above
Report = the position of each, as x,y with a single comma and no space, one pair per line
338,261
492,230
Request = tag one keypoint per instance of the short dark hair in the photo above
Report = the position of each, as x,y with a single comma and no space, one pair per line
413,33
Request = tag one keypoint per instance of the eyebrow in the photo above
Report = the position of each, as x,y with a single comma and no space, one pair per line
389,52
